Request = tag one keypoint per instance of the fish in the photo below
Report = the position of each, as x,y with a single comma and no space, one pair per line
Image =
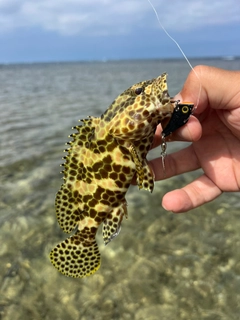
104,155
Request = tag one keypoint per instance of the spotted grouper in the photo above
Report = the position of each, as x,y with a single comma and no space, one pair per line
102,159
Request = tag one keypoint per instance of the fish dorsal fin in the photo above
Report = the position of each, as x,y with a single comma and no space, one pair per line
70,198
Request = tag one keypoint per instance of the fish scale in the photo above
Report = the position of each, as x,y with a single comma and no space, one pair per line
102,159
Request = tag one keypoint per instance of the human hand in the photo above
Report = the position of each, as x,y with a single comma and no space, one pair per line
215,134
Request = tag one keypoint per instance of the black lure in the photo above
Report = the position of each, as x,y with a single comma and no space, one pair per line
179,117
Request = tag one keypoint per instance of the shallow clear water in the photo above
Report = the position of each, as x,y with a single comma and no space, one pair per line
161,266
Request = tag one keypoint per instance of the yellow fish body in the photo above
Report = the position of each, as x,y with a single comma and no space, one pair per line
103,157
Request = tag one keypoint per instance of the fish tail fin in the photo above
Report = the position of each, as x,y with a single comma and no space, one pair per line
75,258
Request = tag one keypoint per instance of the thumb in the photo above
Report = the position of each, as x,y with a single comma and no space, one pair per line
209,86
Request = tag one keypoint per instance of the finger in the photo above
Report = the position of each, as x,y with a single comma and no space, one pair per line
200,88
191,131
195,194
182,161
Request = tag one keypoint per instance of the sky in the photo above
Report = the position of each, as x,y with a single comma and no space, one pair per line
76,30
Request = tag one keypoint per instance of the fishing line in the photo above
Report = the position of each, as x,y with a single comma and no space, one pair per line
182,52
164,144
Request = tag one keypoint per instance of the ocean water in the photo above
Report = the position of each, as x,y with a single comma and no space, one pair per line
161,266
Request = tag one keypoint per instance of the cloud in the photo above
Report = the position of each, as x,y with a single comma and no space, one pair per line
114,17
195,13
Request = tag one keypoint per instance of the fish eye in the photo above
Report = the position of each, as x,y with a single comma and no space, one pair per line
185,109
138,90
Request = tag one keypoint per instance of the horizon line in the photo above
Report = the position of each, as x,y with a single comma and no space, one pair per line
105,60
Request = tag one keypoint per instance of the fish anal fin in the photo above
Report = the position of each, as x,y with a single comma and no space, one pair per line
112,224
75,258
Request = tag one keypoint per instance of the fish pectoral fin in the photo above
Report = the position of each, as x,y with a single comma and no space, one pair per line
139,165
148,177
112,224
145,176
76,259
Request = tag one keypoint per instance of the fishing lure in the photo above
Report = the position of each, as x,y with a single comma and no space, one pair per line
180,116
103,157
